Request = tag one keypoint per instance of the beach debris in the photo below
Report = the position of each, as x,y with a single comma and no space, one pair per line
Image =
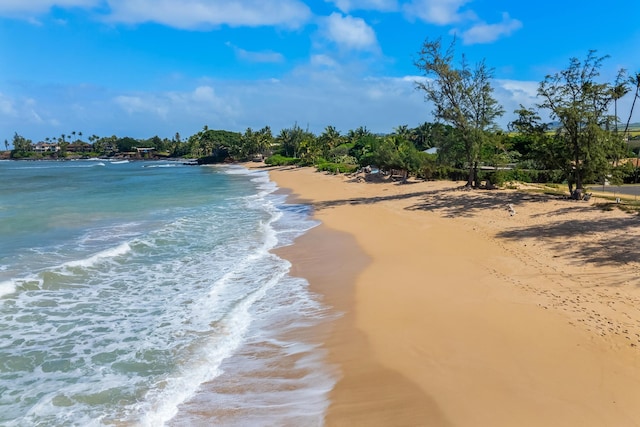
511,209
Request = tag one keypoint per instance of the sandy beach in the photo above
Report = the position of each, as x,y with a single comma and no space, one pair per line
457,313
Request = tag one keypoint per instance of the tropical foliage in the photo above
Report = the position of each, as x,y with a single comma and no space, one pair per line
586,143
462,97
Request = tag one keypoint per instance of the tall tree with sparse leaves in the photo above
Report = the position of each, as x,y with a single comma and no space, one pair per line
581,104
462,97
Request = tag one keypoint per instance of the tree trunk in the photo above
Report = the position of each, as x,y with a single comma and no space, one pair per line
476,181
579,181
471,175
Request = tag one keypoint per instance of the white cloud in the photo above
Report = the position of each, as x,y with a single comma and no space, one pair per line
350,33
323,61
332,97
6,106
511,94
524,90
22,115
440,12
263,57
190,14
317,98
136,104
347,6
324,92
184,14
201,102
27,7
487,33
206,96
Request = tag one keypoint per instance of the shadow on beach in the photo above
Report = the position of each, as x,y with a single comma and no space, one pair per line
450,202
598,241
602,241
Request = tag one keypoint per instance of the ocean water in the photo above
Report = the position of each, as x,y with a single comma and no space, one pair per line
145,294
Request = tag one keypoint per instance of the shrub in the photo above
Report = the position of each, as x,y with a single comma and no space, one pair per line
336,167
499,177
496,177
280,160
450,173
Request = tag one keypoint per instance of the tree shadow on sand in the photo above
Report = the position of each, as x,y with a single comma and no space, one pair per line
450,203
369,200
602,241
453,203
599,241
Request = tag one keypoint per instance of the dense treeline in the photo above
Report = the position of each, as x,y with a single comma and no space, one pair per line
585,144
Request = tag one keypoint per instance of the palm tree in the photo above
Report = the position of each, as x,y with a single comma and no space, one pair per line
80,135
421,135
355,135
634,81
403,131
329,139
619,89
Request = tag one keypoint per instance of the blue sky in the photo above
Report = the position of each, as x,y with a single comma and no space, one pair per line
156,67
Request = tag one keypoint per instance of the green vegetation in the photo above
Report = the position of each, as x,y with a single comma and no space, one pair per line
585,144
463,98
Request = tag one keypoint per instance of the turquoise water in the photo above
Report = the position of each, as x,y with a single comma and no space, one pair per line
145,293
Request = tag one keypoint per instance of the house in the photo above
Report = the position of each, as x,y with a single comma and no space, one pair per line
633,160
79,147
145,152
45,147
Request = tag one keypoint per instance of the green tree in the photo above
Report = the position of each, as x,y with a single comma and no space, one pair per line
403,131
155,142
248,145
533,141
215,145
290,140
328,140
264,141
421,136
21,144
581,105
634,81
619,89
395,152
462,97
353,135
364,149
63,147
126,144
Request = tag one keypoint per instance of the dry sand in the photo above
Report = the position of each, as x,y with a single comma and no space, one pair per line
456,313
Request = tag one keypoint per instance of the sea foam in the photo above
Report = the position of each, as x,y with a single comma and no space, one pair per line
121,249
7,287
121,319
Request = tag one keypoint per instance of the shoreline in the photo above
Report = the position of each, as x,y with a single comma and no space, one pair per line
456,313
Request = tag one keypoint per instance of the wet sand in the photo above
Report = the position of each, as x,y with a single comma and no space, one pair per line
456,313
